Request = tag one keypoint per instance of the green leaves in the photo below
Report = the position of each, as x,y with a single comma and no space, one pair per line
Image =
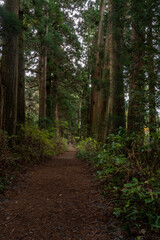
117,212
88,148
10,20
134,185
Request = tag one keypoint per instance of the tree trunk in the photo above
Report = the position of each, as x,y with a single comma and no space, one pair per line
97,75
137,97
42,86
43,80
151,75
136,109
116,104
49,107
1,103
10,70
79,117
21,75
2,97
57,117
104,94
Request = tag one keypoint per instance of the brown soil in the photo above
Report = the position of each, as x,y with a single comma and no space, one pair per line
60,200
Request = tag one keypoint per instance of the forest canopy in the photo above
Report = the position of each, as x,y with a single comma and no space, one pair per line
91,64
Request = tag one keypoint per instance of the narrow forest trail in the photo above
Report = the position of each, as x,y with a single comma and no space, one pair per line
60,200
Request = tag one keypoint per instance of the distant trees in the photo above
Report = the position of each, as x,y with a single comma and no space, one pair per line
55,60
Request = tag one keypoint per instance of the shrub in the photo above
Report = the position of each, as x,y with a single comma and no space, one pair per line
29,147
87,148
34,145
129,168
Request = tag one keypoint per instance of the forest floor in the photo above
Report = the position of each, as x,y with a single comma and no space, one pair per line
59,200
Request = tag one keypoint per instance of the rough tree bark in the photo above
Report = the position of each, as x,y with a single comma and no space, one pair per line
10,71
97,75
56,117
1,102
151,74
21,74
116,104
43,80
136,109
104,93
50,104
42,85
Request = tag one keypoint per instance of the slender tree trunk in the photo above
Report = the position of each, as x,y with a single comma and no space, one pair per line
2,97
89,97
42,85
116,104
43,81
1,103
136,109
49,107
79,117
137,97
88,115
57,117
104,94
151,75
10,71
97,75
21,75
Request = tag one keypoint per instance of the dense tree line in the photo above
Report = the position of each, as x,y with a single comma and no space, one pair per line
42,75
123,64
40,52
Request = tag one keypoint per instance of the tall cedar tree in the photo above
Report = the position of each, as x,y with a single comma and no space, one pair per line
136,112
10,69
116,104
151,69
21,72
97,75
43,76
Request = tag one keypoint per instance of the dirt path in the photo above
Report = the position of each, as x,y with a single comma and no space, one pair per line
60,201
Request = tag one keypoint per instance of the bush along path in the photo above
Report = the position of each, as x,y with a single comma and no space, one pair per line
130,176
60,199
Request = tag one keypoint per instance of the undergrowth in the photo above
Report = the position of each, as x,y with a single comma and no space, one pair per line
129,168
29,147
